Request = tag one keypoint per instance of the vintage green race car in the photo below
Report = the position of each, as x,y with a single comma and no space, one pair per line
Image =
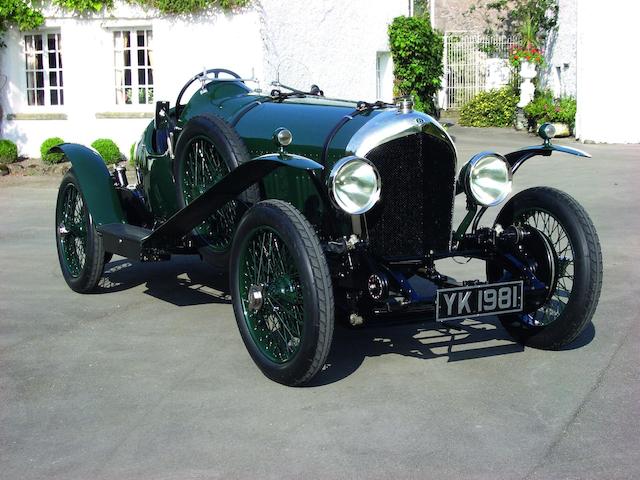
321,209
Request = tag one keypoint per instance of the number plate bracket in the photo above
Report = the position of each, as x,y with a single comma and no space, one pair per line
479,300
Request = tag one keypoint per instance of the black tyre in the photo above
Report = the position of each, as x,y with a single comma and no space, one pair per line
207,150
80,249
282,293
571,233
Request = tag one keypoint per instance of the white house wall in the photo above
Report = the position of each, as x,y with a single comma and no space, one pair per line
607,83
331,43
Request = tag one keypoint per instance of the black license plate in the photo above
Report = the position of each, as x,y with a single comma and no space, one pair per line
478,300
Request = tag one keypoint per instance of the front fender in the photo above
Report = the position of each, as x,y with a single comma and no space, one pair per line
517,158
95,181
228,188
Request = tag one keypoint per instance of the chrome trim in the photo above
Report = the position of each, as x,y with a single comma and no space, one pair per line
331,187
390,124
465,176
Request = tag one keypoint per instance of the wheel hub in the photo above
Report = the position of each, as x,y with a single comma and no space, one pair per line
256,297
62,230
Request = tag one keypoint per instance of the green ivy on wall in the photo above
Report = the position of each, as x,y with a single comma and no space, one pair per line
417,50
26,15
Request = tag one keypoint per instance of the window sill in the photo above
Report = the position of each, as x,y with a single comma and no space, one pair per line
121,115
36,116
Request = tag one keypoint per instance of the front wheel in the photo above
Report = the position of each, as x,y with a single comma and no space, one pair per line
282,294
578,279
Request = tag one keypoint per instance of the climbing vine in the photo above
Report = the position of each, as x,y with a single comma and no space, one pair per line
26,15
416,49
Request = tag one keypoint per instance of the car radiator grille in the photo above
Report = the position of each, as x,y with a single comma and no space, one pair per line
415,210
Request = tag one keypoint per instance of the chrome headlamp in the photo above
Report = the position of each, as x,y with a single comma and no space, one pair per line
486,178
354,185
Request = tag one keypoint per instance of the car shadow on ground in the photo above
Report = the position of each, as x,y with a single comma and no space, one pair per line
455,341
187,281
183,281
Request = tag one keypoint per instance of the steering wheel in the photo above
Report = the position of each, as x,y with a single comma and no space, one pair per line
216,74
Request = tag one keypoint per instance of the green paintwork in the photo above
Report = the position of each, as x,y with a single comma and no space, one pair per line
256,118
95,181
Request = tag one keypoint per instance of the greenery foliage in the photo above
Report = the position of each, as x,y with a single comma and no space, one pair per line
495,108
8,151
417,57
544,108
26,14
108,150
531,20
21,13
53,157
132,154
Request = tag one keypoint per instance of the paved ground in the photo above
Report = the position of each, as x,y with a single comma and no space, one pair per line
149,378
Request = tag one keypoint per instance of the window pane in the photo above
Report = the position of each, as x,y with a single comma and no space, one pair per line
150,91
54,97
31,97
141,79
40,97
31,80
128,93
40,79
51,42
149,77
59,61
52,60
141,58
60,78
61,97
53,79
142,95
127,58
38,42
140,38
127,76
39,64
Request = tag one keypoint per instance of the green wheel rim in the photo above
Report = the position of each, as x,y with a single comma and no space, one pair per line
549,225
271,294
71,222
204,167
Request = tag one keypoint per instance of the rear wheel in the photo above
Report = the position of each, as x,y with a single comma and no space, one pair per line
282,294
208,149
80,250
578,279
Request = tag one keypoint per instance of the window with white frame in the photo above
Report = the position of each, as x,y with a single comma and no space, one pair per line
43,66
133,66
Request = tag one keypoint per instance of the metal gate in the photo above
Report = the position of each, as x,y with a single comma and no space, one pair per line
474,63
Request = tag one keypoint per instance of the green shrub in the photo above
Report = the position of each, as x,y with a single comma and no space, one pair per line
495,108
544,108
51,157
8,151
416,50
108,150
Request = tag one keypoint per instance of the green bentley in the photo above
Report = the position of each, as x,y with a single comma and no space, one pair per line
322,209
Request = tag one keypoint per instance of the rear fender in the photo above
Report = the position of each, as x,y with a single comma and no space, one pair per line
95,181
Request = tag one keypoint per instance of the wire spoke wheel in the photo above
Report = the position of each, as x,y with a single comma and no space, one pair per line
80,249
549,225
203,168
577,277
271,295
282,293
72,230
